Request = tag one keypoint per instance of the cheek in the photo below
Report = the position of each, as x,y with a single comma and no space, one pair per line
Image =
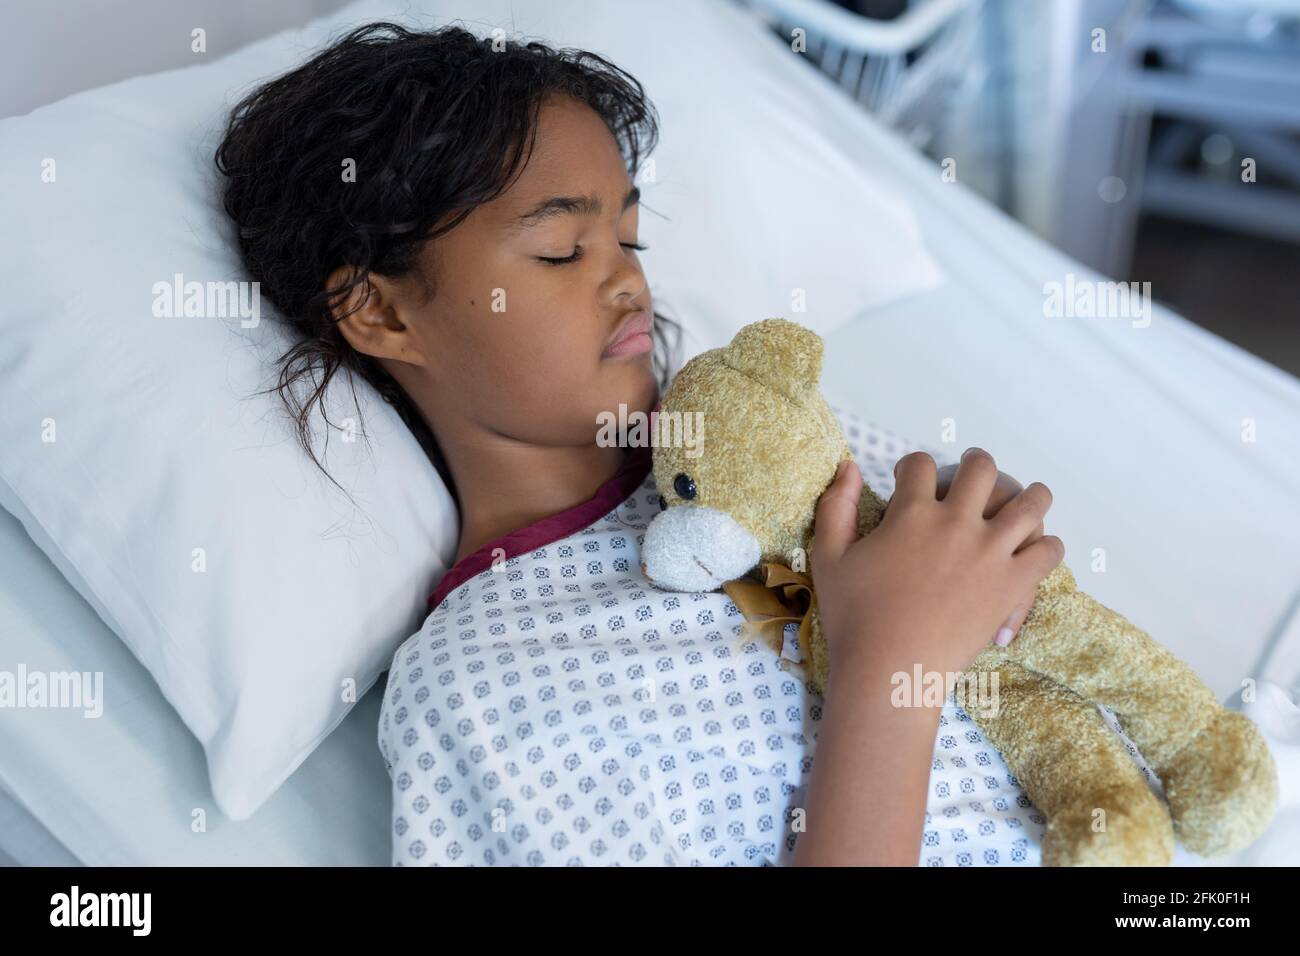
541,363
527,340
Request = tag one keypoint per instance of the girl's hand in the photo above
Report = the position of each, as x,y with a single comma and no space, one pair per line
937,577
1004,489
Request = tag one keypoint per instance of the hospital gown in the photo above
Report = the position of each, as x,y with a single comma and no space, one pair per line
557,710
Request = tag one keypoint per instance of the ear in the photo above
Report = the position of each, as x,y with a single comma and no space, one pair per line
369,317
782,355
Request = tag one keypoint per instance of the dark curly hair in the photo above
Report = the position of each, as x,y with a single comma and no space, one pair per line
440,121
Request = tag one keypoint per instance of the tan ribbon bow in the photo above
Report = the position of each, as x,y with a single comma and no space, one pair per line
772,597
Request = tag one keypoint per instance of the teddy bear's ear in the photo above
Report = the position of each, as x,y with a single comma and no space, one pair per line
781,354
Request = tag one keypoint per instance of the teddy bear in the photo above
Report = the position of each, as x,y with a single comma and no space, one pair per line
745,497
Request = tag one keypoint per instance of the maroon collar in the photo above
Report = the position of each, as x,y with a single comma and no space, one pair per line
636,465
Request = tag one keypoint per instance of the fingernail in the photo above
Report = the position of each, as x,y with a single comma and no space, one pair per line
1004,636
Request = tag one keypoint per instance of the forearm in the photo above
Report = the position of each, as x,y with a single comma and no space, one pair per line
871,772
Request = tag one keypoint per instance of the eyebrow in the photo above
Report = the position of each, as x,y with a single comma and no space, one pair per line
568,205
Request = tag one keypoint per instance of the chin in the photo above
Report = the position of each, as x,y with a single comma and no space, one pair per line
633,386
645,395
632,381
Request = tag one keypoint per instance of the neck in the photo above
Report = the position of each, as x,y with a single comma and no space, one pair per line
505,485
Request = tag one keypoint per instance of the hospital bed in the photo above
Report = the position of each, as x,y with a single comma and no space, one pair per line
1136,432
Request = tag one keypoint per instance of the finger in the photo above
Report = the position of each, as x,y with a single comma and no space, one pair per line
1040,558
943,479
971,486
1035,535
1008,631
1023,514
914,479
835,524
1004,489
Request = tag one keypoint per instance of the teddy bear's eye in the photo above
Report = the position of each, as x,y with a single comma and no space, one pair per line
684,486
663,505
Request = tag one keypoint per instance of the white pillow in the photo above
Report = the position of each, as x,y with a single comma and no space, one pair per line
262,602
177,502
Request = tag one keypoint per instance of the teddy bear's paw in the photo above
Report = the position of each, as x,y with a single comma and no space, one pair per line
1123,826
1222,787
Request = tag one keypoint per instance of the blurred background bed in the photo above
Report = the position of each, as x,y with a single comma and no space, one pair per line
1126,161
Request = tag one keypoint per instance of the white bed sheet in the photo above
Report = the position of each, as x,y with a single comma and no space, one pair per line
1134,430
124,788
1199,530
24,841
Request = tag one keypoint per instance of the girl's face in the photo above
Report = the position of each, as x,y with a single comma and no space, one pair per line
527,292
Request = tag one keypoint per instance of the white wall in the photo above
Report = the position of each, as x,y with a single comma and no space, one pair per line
49,50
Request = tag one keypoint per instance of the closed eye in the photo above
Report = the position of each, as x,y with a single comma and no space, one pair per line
577,254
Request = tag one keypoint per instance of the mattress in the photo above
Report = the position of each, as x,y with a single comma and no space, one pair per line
1137,432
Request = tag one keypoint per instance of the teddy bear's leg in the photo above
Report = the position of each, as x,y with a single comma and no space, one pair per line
1216,769
1100,810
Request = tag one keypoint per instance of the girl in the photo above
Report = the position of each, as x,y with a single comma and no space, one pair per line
455,221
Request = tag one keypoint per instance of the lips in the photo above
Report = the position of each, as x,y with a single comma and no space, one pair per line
632,335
